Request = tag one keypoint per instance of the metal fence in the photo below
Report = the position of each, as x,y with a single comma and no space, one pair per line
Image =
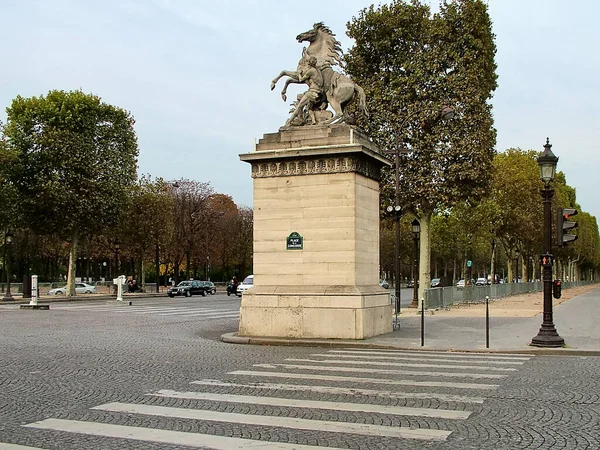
443,298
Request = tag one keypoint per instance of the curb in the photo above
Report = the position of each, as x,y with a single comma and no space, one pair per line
234,338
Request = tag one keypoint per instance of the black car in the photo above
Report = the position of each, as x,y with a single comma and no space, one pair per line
210,287
188,288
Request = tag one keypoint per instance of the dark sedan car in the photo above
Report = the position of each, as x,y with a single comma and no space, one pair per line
210,287
188,288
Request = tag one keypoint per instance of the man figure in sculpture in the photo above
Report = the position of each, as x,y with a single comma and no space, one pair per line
314,79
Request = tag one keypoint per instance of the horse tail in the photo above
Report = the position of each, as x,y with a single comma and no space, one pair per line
362,99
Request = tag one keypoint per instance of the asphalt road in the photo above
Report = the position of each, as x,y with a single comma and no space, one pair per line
91,375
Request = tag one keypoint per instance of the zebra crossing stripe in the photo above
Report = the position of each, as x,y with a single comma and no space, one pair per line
413,357
401,364
338,379
231,315
194,440
329,390
6,446
201,313
382,371
502,356
335,406
278,421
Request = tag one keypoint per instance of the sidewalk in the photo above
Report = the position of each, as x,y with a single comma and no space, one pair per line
514,321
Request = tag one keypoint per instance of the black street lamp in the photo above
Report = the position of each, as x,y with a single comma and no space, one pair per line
8,238
547,335
416,231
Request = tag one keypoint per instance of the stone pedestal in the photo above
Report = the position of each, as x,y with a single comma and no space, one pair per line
321,182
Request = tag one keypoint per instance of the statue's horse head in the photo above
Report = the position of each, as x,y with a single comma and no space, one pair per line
323,45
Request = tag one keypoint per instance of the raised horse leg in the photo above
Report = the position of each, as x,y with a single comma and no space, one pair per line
287,83
284,73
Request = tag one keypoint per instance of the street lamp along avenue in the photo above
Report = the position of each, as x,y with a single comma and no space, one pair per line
547,335
416,231
8,238
397,212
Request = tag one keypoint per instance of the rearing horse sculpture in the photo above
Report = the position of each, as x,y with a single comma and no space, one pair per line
339,89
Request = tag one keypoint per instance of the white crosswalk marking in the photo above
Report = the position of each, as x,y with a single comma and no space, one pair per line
403,364
329,390
17,447
339,406
164,310
386,371
284,422
410,357
423,354
314,390
195,440
341,379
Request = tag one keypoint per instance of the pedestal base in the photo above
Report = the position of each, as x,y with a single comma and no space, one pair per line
45,307
119,302
323,312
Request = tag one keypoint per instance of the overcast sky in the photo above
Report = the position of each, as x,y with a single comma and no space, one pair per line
195,74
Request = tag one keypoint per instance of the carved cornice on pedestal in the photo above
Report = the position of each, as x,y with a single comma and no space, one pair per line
317,165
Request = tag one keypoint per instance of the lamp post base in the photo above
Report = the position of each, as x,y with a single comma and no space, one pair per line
547,337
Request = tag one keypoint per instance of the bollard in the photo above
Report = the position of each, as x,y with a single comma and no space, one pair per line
422,322
34,290
487,321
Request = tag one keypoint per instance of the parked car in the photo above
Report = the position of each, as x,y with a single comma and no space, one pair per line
384,284
210,287
245,285
481,282
460,284
435,282
411,284
187,289
80,288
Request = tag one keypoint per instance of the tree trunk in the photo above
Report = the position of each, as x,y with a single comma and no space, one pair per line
72,267
493,265
524,264
424,255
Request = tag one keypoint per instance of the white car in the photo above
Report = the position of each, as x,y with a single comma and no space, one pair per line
80,288
244,285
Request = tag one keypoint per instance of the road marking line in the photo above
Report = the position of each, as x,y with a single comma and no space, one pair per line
341,390
272,421
399,364
5,446
386,371
336,378
316,404
195,440
211,313
437,354
416,357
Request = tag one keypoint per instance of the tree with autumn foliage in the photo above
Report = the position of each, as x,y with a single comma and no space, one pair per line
411,63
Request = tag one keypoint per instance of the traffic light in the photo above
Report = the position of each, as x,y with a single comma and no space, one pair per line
563,224
556,289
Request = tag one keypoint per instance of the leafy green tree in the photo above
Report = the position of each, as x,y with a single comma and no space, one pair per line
410,64
75,163
518,221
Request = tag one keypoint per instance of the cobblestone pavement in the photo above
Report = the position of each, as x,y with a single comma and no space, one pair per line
94,378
